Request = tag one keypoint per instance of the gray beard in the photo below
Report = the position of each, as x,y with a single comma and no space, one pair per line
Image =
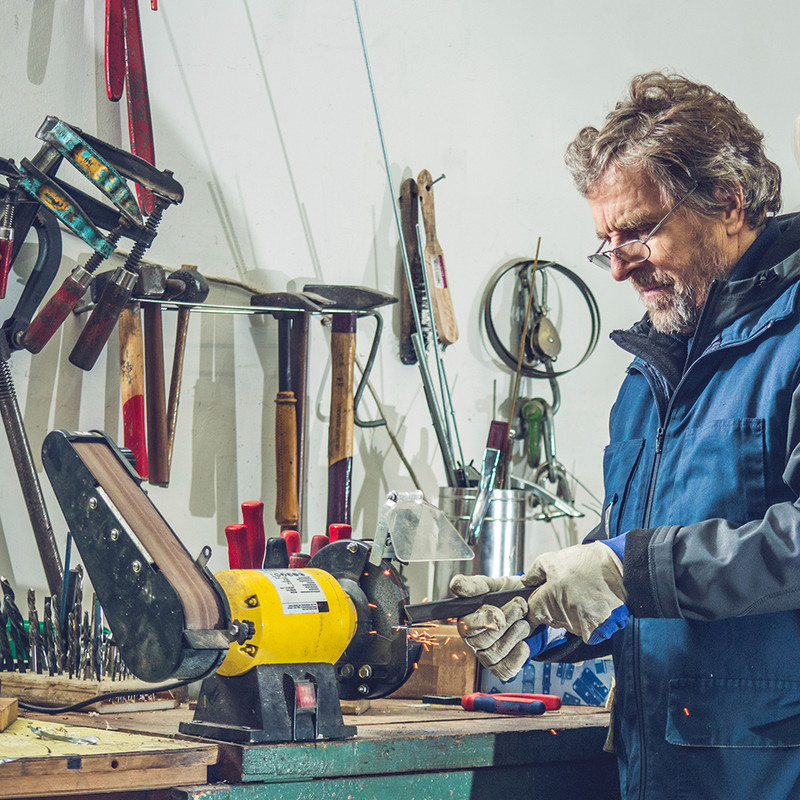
682,314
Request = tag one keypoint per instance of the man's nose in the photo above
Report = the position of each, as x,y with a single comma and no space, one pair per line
621,269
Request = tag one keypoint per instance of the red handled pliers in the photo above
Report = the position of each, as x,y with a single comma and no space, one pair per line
511,703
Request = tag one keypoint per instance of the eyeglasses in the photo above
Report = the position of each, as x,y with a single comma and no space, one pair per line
637,250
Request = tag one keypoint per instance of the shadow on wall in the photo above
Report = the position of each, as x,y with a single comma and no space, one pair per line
214,484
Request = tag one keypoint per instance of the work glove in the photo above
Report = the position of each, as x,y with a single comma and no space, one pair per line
580,589
501,638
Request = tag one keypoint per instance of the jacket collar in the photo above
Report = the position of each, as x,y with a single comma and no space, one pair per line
736,309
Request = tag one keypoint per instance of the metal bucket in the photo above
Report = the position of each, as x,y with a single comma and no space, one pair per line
500,549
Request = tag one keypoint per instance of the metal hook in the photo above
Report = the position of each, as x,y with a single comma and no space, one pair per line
366,373
436,180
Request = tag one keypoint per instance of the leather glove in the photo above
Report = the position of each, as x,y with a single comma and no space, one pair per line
580,589
497,635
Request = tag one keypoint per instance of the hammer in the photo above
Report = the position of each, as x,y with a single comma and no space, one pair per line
150,284
184,285
350,301
290,308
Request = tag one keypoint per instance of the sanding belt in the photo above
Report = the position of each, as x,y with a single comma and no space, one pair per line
202,607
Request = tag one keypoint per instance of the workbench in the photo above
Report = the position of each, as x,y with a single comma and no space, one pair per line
404,749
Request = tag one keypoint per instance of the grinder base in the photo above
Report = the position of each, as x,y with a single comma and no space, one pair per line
268,704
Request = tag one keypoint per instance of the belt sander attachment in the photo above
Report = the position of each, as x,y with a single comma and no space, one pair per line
169,616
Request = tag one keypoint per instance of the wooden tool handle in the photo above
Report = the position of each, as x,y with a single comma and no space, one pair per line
299,387
340,426
156,404
176,378
441,301
286,505
131,373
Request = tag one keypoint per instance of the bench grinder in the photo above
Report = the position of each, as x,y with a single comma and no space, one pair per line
276,648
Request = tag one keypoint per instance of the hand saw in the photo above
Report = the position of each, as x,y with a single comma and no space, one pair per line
441,302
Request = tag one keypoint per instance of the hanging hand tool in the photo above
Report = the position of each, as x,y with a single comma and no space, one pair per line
118,291
105,165
114,50
290,308
195,290
299,374
353,300
124,66
131,362
150,284
441,301
409,214
184,285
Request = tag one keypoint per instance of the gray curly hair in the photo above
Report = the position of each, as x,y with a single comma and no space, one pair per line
681,134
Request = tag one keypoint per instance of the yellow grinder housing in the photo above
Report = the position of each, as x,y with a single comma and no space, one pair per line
300,616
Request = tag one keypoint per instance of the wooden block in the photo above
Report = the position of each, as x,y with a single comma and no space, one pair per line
61,690
355,707
446,665
8,711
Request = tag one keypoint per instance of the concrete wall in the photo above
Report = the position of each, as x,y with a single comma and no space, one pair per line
263,112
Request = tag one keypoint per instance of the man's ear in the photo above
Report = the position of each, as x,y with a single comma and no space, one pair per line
732,209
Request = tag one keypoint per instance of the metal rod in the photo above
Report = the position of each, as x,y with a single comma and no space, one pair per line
29,481
444,386
435,411
419,349
395,209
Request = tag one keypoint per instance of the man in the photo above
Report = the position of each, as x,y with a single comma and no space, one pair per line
692,578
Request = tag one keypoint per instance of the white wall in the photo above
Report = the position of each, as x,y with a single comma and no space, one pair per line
263,112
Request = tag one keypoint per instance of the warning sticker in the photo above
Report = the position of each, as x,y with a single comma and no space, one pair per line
299,591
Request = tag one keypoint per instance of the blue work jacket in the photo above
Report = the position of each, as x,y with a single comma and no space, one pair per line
702,474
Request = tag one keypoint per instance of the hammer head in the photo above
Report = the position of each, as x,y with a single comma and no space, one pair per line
187,285
351,298
151,282
291,301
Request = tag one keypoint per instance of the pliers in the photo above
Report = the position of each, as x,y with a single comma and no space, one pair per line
511,703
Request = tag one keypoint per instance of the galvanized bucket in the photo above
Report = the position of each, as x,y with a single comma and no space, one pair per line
500,549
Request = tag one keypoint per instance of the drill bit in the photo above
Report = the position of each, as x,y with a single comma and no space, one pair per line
19,635
49,636
34,638
6,659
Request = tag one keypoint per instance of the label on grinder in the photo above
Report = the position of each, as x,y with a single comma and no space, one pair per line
298,591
